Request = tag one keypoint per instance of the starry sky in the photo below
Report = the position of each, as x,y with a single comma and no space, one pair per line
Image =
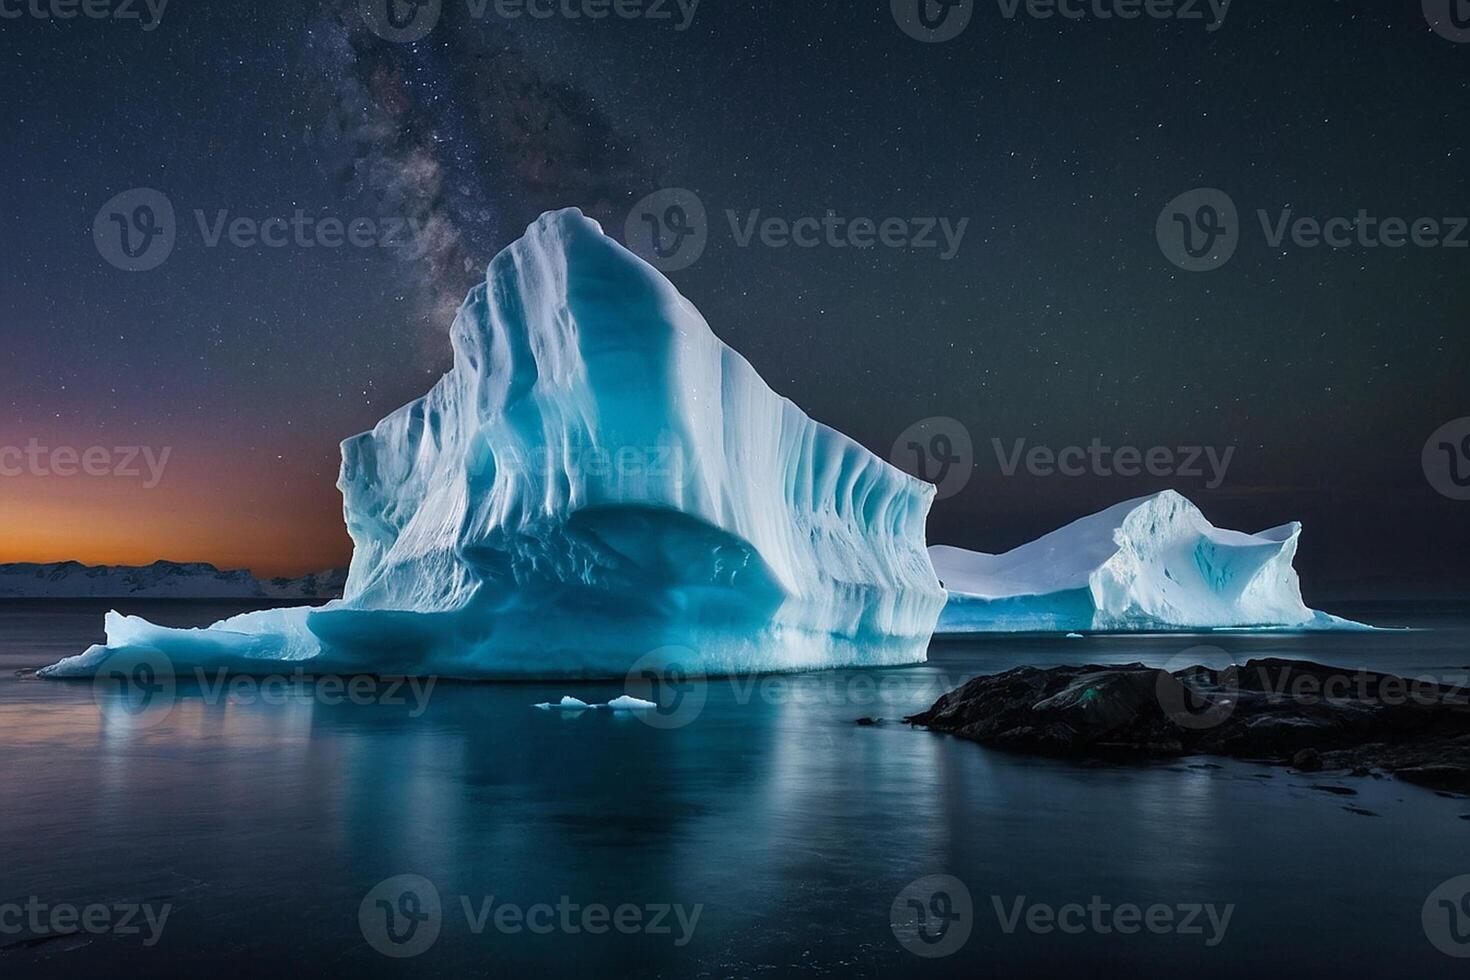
1059,320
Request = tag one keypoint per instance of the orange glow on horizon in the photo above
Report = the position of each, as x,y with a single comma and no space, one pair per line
240,513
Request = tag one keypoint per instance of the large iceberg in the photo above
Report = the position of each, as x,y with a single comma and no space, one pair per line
1154,563
598,483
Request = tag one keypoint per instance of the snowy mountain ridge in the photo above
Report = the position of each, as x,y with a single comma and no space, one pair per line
160,580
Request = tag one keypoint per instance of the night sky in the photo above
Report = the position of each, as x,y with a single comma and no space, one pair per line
1059,320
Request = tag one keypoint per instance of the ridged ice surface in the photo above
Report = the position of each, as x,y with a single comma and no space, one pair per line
1154,563
598,479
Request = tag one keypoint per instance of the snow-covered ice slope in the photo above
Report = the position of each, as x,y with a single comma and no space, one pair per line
1154,563
598,479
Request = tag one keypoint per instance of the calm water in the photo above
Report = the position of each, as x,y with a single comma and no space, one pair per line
264,818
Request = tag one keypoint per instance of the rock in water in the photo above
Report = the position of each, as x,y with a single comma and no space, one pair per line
598,482
1286,712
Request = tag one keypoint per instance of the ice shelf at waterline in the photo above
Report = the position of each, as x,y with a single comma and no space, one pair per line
1154,563
598,482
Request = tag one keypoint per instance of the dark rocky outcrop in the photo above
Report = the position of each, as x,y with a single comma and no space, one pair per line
1288,712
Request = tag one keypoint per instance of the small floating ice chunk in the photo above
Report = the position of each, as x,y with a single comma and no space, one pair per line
629,703
567,703
624,703
1075,636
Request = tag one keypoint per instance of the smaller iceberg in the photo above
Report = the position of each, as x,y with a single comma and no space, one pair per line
1154,563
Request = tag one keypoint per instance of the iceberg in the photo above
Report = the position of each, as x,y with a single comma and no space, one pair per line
599,483
1154,563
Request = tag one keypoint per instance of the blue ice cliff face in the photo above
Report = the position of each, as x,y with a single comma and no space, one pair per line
1154,563
598,479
